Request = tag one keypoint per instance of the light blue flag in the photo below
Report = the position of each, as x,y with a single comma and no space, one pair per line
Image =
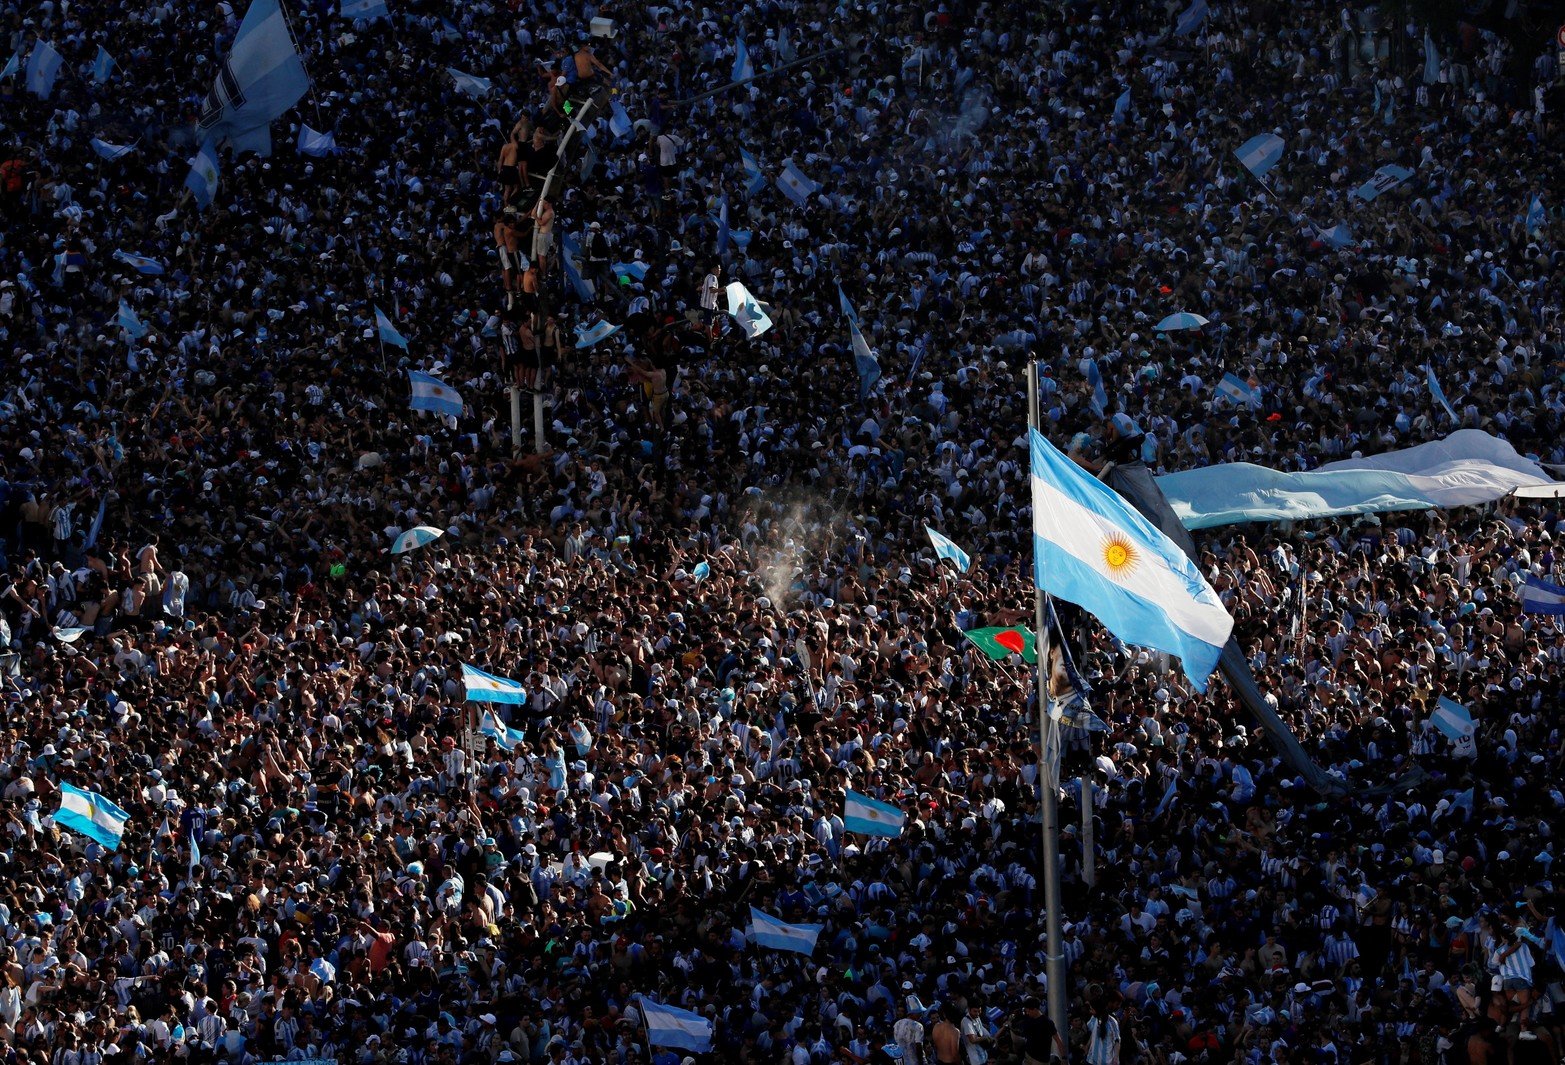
1386,178
865,362
1541,597
1536,216
847,308
945,548
127,320
795,185
1260,153
102,66
89,814
1238,391
1191,18
1122,108
109,151
13,66
261,78
448,30
636,271
1093,549
1337,237
588,334
777,934
434,395
702,571
755,178
43,66
471,84
743,70
1168,797
491,725
369,10
484,687
195,854
669,1026
1431,60
871,817
388,331
140,263
1455,722
619,120
747,311
203,177
1094,376
723,232
1437,392
314,142
585,290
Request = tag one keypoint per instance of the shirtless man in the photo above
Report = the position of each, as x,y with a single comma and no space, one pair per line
508,241
542,215
511,164
947,1039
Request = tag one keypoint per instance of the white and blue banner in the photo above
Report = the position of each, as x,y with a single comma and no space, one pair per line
1238,391
109,152
388,331
1122,108
946,548
315,143
261,78
1541,597
1099,400
369,10
588,334
871,817
471,84
1260,153
127,320
585,290
1191,18
490,724
140,263
755,179
619,120
487,688
1386,178
1455,722
434,395
743,70
203,177
102,65
89,814
636,270
670,1026
747,311
43,67
776,934
795,185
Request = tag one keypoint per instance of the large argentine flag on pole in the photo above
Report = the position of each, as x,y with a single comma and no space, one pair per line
1541,597
487,688
433,394
89,814
669,1026
780,935
1092,548
1260,153
868,817
259,79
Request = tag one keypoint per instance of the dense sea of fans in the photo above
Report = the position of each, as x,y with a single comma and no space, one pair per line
206,627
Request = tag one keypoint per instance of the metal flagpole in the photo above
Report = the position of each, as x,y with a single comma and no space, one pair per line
1048,775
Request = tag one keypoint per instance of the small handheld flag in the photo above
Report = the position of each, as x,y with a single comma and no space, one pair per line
471,84
945,548
1001,642
487,688
433,394
670,1026
870,817
492,726
314,142
127,320
102,65
743,70
588,334
140,263
89,814
107,151
43,66
388,331
1455,722
1438,393
746,311
795,185
1260,153
203,176
1386,178
1238,391
768,931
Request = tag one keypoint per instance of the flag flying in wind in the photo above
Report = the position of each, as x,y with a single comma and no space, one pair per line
589,333
43,66
471,84
847,308
865,362
261,78
487,688
777,934
670,1026
1455,722
944,548
756,179
1191,18
89,814
203,176
1437,392
1122,108
619,120
1001,642
102,65
1093,549
743,70
1386,178
1094,376
140,263
107,151
870,817
1260,153
1536,216
747,311
1338,236
127,320
314,142
491,725
1431,60
388,331
1238,391
13,66
368,10
1541,597
585,290
795,185
433,394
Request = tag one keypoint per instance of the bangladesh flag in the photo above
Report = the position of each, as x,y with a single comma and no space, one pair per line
1001,643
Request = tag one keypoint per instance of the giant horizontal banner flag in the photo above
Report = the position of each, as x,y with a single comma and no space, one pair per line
1386,178
1092,548
261,77
670,1026
1467,468
777,934
89,814
870,817
1260,153
1002,641
1541,597
484,687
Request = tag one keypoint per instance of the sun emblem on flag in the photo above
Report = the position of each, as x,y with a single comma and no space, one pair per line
1120,557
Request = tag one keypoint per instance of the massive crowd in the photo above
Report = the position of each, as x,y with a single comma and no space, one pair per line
205,624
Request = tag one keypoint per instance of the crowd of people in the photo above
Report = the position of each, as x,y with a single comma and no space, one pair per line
206,626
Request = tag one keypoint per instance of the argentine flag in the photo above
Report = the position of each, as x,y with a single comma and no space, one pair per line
388,331
1094,376
368,10
433,394
670,1026
127,320
744,70
636,271
619,120
202,179
1536,216
1260,153
1386,178
314,142
865,362
471,84
102,66
588,334
746,310
755,179
1238,391
140,263
1190,18
1093,549
768,931
107,151
1541,597
1455,722
89,814
585,289
795,185
1437,392
492,726
869,817
261,77
944,548
487,688
43,66
1337,237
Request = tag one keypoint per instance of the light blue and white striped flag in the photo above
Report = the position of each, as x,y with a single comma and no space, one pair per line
743,70
585,290
1455,722
945,548
795,185
1337,237
1191,18
89,814
471,84
43,66
702,571
1094,376
203,177
1431,60
434,395
670,1026
755,178
107,151
619,120
1122,108
102,65
1541,597
589,334
140,263
127,320
1536,216
484,687
747,311
871,817
13,66
261,77
847,308
865,361
387,331
1386,178
777,934
314,142
491,725
1260,153
1437,392
636,270
369,10
1238,391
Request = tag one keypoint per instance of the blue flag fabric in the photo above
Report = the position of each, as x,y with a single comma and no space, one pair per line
865,361
369,10
1191,18
140,263
1260,153
13,66
127,320
471,84
102,65
1337,237
946,548
43,66
776,934
315,143
491,725
743,70
1122,108
1386,178
261,78
203,177
1536,216
871,817
847,308
1094,376
619,120
388,331
1431,60
484,687
636,271
670,1026
434,395
794,184
1541,597
89,814
569,249
755,179
1238,391
1437,392
107,151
